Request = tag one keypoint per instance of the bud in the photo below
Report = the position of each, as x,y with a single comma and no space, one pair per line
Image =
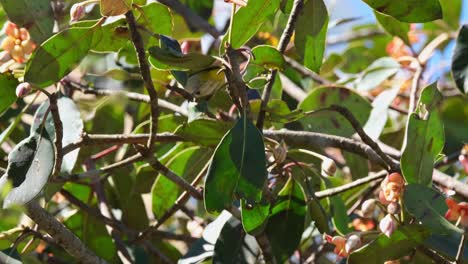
328,167
388,225
396,261
352,243
23,89
185,47
368,207
393,208
77,12
464,162
237,2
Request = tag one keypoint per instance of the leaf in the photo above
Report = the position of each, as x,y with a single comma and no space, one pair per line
115,7
37,16
248,20
339,215
411,11
379,71
379,114
186,164
162,59
72,126
267,57
254,216
393,27
424,139
311,32
399,244
8,85
428,206
358,166
30,164
238,168
286,223
234,246
207,132
329,121
459,61
59,55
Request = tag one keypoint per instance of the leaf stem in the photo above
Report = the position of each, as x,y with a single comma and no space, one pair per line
231,23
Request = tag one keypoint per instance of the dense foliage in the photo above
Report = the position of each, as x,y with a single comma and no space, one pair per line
199,131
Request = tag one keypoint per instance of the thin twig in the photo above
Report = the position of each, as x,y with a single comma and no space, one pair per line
461,249
353,36
146,74
351,185
283,43
58,132
236,86
306,72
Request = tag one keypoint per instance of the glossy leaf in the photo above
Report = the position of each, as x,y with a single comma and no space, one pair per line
8,85
286,223
234,246
328,121
424,139
393,26
238,168
311,32
59,55
37,16
400,243
254,217
206,132
428,206
72,127
115,7
379,71
249,19
411,11
186,164
30,164
459,61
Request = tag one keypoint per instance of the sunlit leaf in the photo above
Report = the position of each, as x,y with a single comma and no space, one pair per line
393,26
411,11
115,7
8,85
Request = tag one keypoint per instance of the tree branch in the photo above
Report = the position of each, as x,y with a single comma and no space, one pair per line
58,132
283,43
64,237
351,185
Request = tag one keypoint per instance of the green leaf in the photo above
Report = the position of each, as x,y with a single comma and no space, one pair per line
115,7
411,11
157,18
286,223
59,55
30,164
358,166
329,121
311,32
8,85
339,215
186,164
424,139
379,114
238,168
254,217
72,127
37,16
379,71
234,246
267,57
459,60
206,132
393,27
428,206
248,20
384,248
163,59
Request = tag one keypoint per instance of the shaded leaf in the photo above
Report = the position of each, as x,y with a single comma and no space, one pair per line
206,132
163,59
411,11
311,32
424,139
428,206
329,121
238,168
37,16
286,223
30,164
59,55
459,60
393,26
400,243
8,85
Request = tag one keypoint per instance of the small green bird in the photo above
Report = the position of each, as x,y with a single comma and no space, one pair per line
204,83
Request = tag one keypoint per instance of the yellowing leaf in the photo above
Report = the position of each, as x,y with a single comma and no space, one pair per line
115,7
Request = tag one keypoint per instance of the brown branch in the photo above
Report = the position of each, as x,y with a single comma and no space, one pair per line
306,72
236,86
450,183
58,133
319,140
190,17
283,43
64,237
146,74
119,139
